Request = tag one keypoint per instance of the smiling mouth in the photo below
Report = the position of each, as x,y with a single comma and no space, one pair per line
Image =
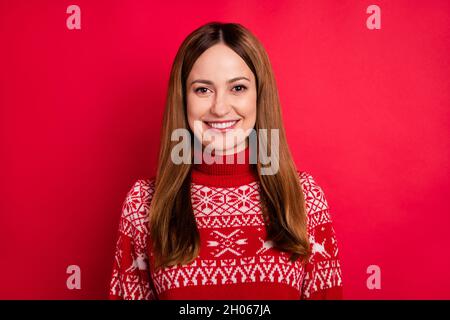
222,125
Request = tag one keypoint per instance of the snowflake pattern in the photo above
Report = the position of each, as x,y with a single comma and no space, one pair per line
234,248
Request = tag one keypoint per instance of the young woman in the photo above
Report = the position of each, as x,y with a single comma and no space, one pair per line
225,229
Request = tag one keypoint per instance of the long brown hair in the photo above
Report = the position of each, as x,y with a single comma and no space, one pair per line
174,234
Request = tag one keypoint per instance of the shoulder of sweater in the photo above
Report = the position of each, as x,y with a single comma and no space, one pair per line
141,192
314,195
136,205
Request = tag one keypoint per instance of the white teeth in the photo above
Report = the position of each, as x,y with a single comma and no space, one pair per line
222,125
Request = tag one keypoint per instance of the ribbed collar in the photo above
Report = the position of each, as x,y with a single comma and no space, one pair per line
227,172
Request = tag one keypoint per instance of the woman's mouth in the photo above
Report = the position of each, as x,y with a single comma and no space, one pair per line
222,126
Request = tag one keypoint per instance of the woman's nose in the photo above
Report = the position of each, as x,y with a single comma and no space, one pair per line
220,107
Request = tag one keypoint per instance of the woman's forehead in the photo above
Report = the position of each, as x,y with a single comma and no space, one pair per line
219,63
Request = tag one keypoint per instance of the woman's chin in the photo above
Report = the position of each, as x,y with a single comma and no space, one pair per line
221,149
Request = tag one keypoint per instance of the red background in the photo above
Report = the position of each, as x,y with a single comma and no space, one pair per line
366,113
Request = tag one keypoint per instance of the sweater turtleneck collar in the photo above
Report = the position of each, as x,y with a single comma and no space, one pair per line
226,171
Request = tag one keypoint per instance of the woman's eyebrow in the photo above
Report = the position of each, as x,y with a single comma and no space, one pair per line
211,83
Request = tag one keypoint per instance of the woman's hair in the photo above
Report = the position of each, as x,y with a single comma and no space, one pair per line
174,235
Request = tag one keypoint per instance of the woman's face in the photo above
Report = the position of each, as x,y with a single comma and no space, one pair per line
221,99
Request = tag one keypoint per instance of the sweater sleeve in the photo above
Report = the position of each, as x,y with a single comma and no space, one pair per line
130,279
323,276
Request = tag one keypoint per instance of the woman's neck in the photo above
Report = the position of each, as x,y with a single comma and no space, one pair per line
226,170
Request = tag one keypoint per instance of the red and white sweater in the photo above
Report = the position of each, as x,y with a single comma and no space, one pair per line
236,261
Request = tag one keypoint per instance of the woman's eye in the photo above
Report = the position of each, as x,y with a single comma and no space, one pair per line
241,88
201,90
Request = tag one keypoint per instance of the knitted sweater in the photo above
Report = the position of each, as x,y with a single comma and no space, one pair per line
236,261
